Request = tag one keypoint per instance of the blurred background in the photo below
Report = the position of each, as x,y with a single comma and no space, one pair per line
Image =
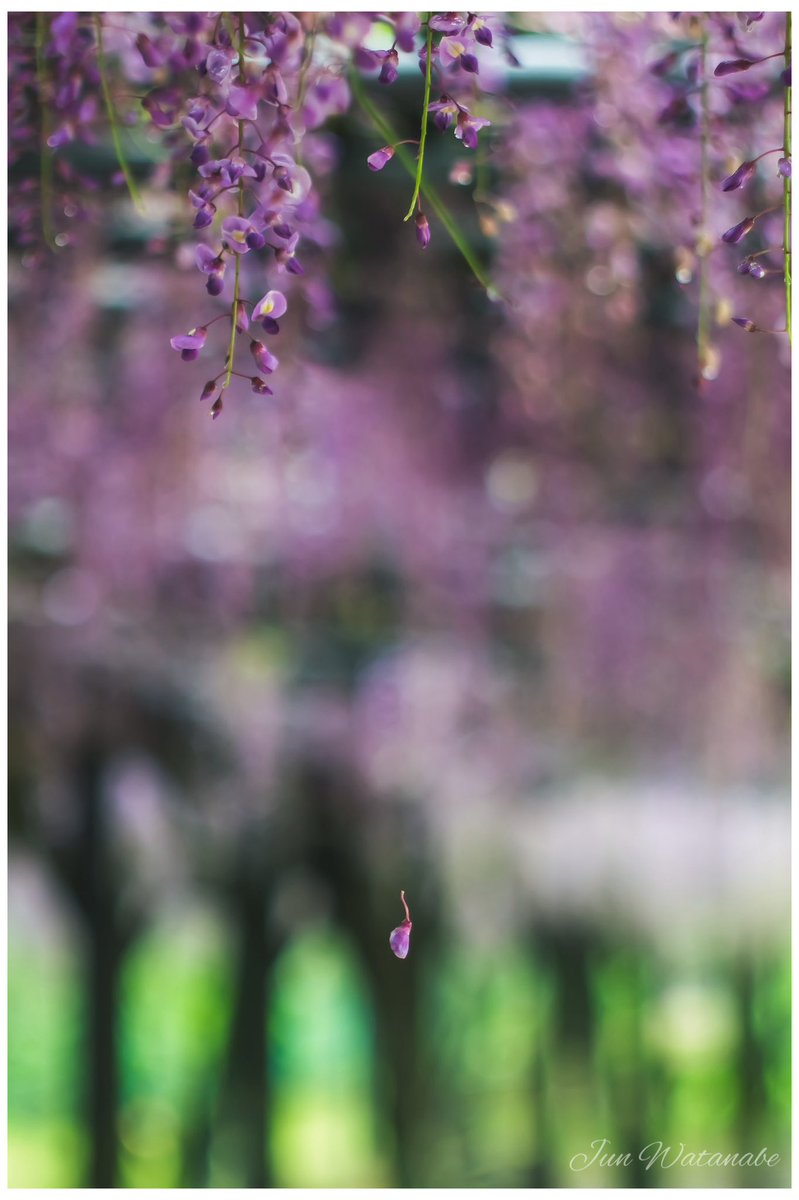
489,603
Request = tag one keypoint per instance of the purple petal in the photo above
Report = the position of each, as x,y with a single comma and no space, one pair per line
273,304
400,940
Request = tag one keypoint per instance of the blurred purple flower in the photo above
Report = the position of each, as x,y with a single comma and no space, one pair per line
447,23
422,230
390,68
732,65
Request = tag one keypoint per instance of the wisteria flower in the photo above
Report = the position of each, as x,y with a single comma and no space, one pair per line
400,938
481,30
739,178
264,360
189,344
243,102
378,160
272,305
468,128
212,265
447,23
389,71
457,52
732,65
444,112
738,232
242,235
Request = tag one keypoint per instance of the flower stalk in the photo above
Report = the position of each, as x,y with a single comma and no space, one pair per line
428,82
391,137
124,165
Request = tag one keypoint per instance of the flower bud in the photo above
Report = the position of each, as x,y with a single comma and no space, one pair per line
745,324
422,230
784,168
208,390
258,385
264,360
400,938
390,68
731,65
739,178
216,407
242,317
738,232
378,160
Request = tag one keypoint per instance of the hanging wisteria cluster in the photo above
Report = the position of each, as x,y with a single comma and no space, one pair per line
240,103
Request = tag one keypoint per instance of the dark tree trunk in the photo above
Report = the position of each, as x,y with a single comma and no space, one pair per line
244,1108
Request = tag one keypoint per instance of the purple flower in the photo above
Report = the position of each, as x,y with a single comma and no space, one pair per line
150,53
390,68
468,128
447,23
264,360
784,168
259,386
444,112
216,407
400,938
239,234
200,154
757,270
189,344
456,52
243,102
273,304
406,27
212,265
748,92
422,230
481,31
745,323
738,232
379,159
242,317
218,64
739,178
731,65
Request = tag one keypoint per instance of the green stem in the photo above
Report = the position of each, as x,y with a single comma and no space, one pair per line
391,138
45,152
236,285
787,182
113,119
428,82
